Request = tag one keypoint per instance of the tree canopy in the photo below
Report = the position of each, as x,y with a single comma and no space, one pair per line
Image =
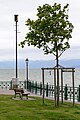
51,30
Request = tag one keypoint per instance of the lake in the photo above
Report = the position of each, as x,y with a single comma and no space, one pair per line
35,75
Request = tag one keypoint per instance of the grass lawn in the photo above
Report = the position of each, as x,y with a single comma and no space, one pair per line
34,110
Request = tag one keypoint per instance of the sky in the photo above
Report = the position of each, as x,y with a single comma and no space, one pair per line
28,9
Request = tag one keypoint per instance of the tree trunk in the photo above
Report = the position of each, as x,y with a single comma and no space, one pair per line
57,65
57,59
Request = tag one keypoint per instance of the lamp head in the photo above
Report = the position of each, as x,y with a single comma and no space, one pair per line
16,18
26,60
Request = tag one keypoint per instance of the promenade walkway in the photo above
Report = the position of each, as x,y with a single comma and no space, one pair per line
5,91
11,92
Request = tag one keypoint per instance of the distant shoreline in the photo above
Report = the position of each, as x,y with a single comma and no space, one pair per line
39,64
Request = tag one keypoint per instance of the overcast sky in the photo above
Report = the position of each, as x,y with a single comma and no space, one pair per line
28,9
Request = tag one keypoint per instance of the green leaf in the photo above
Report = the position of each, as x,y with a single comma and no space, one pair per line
51,30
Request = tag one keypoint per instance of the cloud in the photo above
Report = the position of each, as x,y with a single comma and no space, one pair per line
71,53
37,54
28,9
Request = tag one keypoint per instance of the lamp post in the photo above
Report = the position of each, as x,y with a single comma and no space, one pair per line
27,72
16,20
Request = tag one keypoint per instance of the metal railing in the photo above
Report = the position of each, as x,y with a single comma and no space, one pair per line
36,88
8,84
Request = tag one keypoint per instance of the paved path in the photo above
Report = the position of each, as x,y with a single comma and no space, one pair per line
5,91
11,92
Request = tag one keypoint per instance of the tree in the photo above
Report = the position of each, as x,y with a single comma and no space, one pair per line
51,31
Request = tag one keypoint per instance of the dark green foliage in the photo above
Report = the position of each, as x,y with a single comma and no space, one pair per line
51,31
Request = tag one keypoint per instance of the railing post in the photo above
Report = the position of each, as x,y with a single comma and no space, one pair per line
79,94
36,87
40,88
25,84
47,90
32,86
70,93
65,92
29,86
11,84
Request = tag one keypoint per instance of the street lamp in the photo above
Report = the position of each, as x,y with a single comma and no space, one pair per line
16,20
27,72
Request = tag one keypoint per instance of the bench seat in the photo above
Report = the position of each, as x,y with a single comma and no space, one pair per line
21,93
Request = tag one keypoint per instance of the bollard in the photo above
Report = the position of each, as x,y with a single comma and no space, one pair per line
65,92
78,94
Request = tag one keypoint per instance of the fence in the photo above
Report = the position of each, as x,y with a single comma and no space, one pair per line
8,84
36,88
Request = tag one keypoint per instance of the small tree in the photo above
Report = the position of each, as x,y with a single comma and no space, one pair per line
51,31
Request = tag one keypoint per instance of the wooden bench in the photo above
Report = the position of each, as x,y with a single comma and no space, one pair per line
21,93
